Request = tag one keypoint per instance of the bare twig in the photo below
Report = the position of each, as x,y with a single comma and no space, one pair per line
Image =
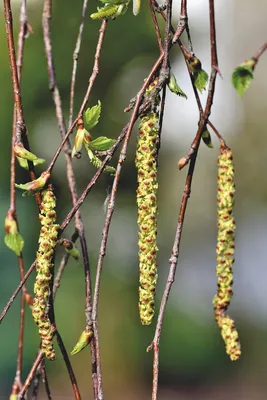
92,79
259,53
30,376
75,61
68,365
182,25
12,207
21,130
156,25
70,173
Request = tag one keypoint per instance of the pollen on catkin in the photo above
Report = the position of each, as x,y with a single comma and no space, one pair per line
146,163
225,252
44,264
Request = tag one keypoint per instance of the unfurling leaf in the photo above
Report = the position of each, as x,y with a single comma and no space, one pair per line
242,76
200,79
83,341
194,64
78,142
13,240
92,115
70,248
111,9
104,12
101,143
24,163
207,138
21,152
35,185
136,6
97,162
174,87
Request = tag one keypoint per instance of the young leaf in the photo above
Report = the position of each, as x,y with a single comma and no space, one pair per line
78,142
14,242
35,185
207,138
101,143
200,80
174,87
92,115
83,341
24,163
136,6
20,151
97,162
242,76
104,12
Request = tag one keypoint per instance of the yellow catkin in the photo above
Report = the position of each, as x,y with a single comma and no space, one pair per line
44,264
146,163
225,252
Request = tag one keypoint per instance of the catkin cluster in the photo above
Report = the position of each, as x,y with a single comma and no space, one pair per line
225,251
44,264
146,163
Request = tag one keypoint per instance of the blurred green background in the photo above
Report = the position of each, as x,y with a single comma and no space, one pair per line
193,363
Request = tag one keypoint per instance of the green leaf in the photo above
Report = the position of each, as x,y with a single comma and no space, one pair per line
97,162
242,76
83,341
35,185
92,115
24,163
101,143
174,87
207,138
200,80
14,242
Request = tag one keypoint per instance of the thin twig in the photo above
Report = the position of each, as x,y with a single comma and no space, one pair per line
156,25
182,25
45,381
175,251
92,79
30,376
68,365
70,174
36,382
75,61
259,53
12,207
111,205
21,130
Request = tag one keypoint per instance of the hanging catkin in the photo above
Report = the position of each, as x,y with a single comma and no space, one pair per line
44,264
225,251
146,163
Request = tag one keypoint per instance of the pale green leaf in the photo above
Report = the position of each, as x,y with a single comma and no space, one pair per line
14,242
101,143
24,163
200,80
242,77
174,87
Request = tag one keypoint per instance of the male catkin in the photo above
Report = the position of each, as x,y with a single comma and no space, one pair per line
44,264
146,163
225,251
